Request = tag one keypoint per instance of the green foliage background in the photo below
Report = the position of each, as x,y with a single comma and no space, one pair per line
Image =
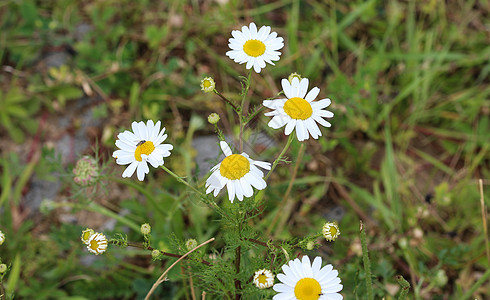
409,85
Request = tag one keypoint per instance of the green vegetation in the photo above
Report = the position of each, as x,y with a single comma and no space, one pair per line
409,83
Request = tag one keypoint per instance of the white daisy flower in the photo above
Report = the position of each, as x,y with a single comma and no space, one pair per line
331,231
299,111
263,279
97,243
304,281
239,173
142,146
2,237
255,47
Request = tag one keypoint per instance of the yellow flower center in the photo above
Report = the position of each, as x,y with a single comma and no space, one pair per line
144,148
307,289
86,235
262,279
94,245
333,230
234,166
254,48
206,83
298,108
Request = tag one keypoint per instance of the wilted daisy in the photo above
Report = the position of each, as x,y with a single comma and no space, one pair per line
2,237
299,111
97,243
255,47
304,281
331,231
86,171
238,172
86,234
263,279
142,146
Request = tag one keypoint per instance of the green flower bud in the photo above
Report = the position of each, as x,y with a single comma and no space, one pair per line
213,118
145,229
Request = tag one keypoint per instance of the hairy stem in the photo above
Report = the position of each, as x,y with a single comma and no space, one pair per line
240,112
286,147
405,287
227,100
287,202
367,263
141,246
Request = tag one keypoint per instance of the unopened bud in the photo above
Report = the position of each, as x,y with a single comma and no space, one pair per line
213,118
294,75
145,229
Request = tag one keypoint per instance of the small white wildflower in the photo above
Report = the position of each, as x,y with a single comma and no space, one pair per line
208,84
97,243
263,279
331,231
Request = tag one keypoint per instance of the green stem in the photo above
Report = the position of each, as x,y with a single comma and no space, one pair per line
201,194
367,263
405,287
104,211
179,179
477,284
240,112
141,246
143,191
226,100
286,147
287,203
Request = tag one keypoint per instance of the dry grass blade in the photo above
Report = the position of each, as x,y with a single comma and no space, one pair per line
162,277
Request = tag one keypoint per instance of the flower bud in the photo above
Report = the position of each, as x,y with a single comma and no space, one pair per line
293,75
86,234
191,244
3,268
155,254
213,118
310,245
145,229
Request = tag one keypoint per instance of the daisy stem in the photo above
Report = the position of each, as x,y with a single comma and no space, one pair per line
287,202
367,263
143,191
102,210
240,112
286,147
226,100
141,246
179,179
405,287
203,196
